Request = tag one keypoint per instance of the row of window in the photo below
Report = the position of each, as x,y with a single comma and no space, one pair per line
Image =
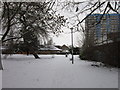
104,17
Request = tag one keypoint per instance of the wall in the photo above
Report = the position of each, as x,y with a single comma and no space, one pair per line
107,53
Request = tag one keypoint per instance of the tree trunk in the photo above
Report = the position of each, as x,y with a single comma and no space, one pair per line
8,23
36,56
34,53
27,52
1,67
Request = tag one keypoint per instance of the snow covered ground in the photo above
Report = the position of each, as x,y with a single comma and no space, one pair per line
21,71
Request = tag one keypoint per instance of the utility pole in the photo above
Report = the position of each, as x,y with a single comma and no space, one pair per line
72,45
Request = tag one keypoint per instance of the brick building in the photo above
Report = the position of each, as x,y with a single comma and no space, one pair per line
102,38
99,27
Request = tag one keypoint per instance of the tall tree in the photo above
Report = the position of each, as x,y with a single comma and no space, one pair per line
31,20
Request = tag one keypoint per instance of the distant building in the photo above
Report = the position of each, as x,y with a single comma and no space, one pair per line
101,29
49,49
58,46
65,49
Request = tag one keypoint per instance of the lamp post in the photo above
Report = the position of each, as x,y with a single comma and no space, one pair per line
72,45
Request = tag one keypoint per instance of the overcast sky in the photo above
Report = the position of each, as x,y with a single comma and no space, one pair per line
65,37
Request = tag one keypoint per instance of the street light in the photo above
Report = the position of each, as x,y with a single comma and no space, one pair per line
72,45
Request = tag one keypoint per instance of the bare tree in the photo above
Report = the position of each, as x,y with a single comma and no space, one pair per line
32,21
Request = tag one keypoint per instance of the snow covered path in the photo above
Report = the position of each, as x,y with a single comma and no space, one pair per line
21,71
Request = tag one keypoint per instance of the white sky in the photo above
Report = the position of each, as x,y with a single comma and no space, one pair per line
65,37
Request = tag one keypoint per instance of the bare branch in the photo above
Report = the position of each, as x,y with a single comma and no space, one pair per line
11,39
109,5
91,12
